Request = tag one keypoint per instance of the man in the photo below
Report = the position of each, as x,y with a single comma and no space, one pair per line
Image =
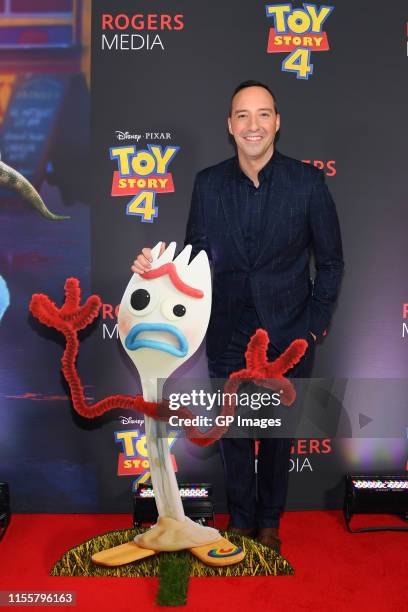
258,215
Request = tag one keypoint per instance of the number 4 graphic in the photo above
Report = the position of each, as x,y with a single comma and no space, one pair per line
299,62
144,206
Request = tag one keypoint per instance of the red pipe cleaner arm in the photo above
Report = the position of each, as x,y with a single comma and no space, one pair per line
261,372
69,319
72,317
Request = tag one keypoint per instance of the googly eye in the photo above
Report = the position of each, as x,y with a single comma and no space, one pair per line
173,309
179,310
141,301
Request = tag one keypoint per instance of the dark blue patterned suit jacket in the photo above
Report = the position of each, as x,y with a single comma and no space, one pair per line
300,218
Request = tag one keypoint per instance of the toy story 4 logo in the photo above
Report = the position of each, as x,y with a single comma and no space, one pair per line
298,31
133,460
142,173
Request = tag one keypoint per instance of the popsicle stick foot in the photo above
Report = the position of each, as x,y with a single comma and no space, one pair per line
219,553
121,555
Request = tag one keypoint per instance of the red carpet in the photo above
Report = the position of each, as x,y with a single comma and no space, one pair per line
335,570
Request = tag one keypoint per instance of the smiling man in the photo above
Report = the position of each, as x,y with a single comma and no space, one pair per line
259,215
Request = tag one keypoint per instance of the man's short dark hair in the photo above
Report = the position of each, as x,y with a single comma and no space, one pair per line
246,84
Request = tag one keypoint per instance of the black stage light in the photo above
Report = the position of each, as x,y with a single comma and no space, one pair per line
5,513
196,498
376,495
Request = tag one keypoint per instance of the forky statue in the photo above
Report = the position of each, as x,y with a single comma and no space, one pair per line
162,320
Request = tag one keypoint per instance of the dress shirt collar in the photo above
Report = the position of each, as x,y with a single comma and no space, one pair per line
264,173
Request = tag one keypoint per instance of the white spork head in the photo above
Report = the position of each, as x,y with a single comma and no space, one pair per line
164,313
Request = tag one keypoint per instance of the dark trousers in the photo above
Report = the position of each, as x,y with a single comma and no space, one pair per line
255,500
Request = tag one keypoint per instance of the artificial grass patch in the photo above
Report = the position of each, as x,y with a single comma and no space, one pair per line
259,560
173,581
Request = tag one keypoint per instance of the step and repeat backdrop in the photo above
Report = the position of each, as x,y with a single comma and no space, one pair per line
161,79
